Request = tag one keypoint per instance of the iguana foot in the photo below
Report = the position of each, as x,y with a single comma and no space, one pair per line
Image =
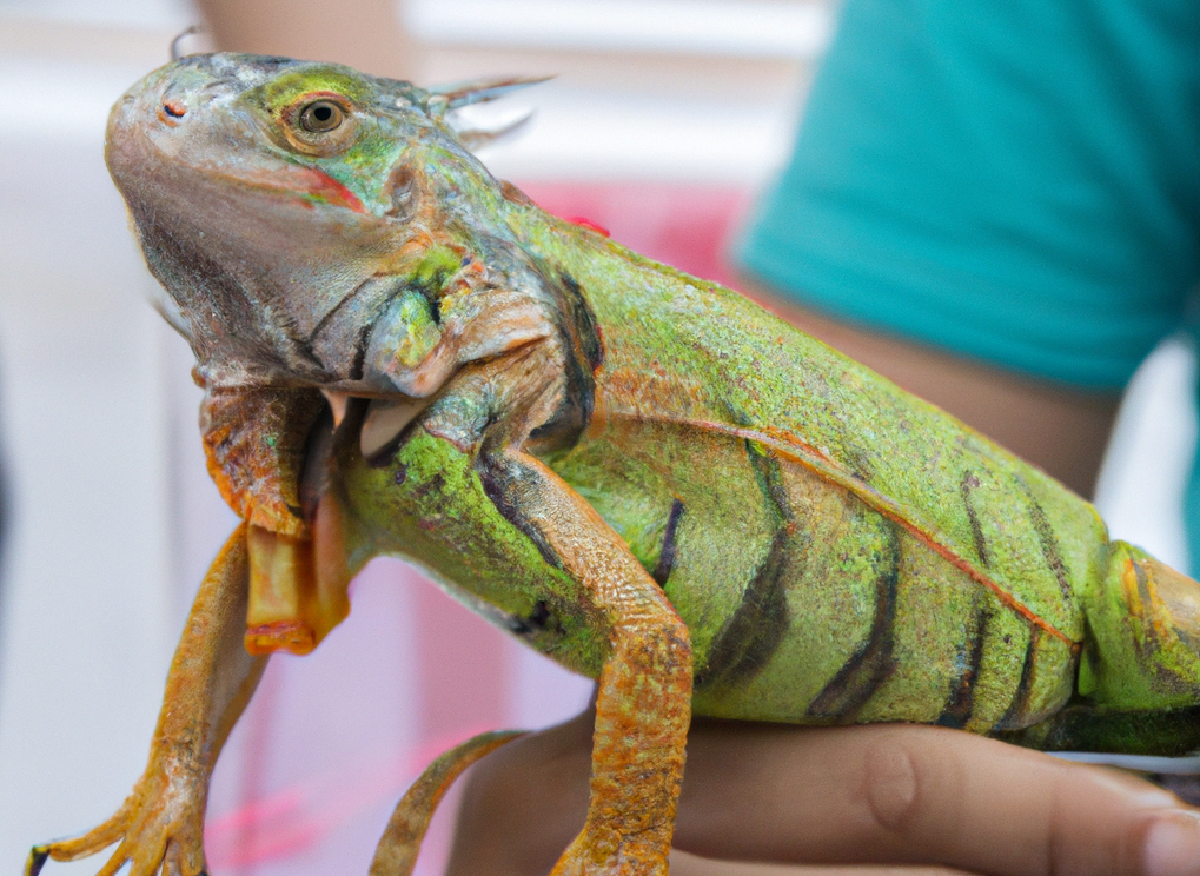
633,857
157,831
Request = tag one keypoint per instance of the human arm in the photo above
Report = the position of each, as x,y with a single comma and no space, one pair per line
870,795
1060,428
367,34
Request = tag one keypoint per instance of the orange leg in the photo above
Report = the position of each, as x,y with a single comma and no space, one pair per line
160,826
643,703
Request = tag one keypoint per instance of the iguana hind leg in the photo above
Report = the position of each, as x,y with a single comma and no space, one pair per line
396,854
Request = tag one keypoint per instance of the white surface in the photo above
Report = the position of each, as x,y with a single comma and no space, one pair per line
754,28
88,627
1141,489
169,15
578,133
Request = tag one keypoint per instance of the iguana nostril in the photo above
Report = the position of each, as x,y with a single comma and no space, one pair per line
174,110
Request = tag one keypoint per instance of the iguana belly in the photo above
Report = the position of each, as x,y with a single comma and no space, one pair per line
805,604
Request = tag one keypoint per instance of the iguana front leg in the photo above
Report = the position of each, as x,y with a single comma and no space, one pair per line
160,826
644,696
544,563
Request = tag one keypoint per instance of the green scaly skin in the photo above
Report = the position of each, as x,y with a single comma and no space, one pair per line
639,473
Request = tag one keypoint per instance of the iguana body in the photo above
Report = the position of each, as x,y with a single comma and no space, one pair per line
639,473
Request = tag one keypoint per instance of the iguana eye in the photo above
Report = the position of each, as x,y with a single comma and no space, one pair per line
319,124
321,116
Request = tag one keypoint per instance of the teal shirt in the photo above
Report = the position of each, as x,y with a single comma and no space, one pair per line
1015,180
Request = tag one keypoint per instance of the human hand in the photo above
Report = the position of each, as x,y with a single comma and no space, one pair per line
901,798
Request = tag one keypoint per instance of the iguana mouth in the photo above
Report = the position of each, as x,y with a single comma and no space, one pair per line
306,186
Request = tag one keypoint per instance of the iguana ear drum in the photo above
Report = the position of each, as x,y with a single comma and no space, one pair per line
401,190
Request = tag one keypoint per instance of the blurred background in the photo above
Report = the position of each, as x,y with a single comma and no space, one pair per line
664,119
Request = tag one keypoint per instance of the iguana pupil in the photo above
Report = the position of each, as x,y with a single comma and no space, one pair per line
321,116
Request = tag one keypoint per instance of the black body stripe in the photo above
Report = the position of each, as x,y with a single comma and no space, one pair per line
862,675
757,627
968,482
961,702
1019,707
586,330
498,486
1049,541
583,343
751,636
666,556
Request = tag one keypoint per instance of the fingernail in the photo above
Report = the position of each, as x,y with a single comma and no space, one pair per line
1157,800
1173,845
1136,792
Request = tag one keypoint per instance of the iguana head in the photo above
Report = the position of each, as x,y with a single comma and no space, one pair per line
310,224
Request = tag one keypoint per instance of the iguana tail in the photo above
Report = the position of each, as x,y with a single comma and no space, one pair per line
1144,644
396,854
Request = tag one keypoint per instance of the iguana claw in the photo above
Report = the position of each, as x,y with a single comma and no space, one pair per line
36,860
78,847
155,832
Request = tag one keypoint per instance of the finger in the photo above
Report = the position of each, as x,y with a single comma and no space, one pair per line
524,804
683,864
921,795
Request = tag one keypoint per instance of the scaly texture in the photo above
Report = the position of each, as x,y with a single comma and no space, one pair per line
639,473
